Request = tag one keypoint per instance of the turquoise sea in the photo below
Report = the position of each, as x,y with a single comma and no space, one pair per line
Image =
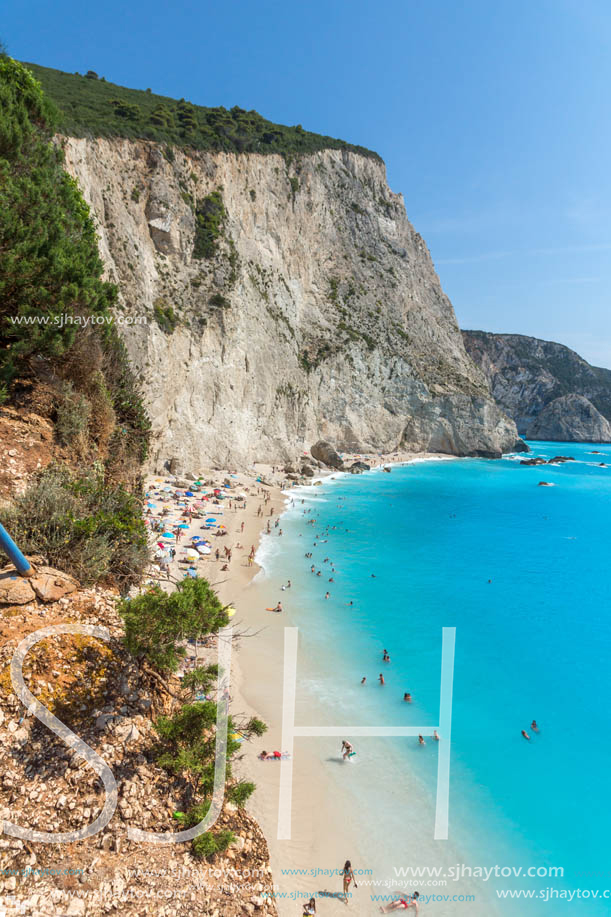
521,571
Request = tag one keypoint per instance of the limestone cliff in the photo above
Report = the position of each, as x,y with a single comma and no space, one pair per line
282,300
549,390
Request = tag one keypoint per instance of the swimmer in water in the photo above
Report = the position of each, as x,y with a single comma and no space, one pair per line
534,726
326,595
407,697
381,678
525,734
363,679
386,658
421,740
435,735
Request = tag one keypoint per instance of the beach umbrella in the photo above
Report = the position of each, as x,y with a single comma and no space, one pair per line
183,525
168,535
203,549
211,519
189,493
152,505
191,553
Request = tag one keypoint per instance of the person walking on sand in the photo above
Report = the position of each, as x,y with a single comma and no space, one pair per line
242,527
348,877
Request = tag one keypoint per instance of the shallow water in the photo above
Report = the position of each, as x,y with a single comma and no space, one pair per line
521,572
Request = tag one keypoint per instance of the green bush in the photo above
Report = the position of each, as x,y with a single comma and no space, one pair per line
157,622
82,526
209,218
218,301
240,792
208,844
165,316
135,195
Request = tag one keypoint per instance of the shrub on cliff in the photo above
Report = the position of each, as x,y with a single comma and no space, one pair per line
82,525
209,218
158,623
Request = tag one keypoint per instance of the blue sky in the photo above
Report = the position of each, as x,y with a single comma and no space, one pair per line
493,118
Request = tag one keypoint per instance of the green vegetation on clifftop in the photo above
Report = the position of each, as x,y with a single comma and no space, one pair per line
89,106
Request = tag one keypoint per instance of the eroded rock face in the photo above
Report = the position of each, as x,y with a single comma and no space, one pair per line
544,386
569,419
319,314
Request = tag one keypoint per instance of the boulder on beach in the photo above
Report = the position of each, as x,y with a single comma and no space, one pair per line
359,467
325,453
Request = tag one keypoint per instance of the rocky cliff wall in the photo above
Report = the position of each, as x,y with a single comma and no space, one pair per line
276,302
549,390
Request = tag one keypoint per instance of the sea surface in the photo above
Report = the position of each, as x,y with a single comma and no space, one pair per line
522,572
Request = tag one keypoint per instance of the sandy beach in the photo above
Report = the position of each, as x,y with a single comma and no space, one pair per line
325,833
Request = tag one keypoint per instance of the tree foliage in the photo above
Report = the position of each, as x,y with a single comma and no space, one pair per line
88,107
55,309
157,623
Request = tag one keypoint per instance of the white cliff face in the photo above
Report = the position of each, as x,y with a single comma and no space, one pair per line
319,316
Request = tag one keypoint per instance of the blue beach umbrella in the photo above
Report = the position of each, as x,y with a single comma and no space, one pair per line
189,493
211,520
183,525
168,535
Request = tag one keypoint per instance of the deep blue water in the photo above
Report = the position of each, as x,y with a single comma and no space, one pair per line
521,571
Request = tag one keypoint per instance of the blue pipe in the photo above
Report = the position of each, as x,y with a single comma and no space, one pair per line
9,547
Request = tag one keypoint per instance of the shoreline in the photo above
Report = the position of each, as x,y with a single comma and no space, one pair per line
256,690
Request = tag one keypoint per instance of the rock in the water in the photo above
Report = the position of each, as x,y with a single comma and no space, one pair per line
359,467
570,418
545,484
325,453
533,461
559,459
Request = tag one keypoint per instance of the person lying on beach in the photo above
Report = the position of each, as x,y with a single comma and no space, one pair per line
402,904
273,755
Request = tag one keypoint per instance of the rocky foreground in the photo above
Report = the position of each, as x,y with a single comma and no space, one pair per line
95,688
